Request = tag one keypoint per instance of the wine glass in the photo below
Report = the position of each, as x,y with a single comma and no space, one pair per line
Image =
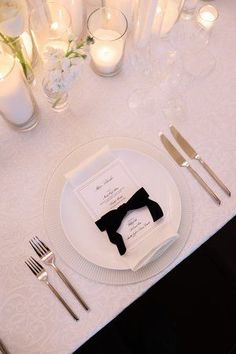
160,70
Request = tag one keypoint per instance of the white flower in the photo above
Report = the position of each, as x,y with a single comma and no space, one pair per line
63,67
65,64
13,17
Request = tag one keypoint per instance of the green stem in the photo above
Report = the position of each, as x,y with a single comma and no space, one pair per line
15,46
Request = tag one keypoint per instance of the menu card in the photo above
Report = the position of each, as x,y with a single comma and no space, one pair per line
109,188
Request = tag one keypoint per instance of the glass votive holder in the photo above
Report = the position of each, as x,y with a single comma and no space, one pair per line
207,16
17,105
50,26
108,27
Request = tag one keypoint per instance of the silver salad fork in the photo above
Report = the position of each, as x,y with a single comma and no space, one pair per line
38,270
48,258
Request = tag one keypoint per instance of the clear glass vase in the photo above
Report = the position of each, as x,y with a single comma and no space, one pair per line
57,100
17,47
17,105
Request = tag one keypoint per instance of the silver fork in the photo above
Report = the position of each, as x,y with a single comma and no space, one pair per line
48,258
42,275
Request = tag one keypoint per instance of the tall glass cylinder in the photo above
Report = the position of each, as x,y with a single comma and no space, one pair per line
108,27
78,15
50,26
166,15
126,6
17,106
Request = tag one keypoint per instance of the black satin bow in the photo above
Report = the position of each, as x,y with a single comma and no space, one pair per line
112,220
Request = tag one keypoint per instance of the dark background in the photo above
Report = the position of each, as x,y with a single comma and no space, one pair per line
191,310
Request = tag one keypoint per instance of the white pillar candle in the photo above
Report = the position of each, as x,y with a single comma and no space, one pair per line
77,11
16,104
107,51
207,15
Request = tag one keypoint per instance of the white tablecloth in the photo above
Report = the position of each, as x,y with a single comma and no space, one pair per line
32,321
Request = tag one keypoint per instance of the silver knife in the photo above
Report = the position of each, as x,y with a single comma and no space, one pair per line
184,163
189,150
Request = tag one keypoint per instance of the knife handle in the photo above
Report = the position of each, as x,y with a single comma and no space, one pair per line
204,185
215,177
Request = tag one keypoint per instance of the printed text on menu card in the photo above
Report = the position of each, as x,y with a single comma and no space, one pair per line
108,189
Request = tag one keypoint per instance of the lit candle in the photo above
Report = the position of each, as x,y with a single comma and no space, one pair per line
107,51
207,15
53,40
50,26
54,26
16,104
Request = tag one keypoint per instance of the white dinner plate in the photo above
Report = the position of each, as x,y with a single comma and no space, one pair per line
83,234
52,218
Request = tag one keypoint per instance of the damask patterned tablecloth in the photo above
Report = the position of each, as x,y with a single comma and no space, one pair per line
32,321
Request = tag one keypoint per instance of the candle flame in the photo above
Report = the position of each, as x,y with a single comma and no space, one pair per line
54,26
158,10
207,16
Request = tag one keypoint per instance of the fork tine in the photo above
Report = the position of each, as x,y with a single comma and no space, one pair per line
31,267
36,264
38,244
37,250
43,244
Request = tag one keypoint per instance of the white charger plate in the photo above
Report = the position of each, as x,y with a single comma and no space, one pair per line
63,247
83,234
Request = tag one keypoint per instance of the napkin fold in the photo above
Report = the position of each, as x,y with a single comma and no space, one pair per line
153,243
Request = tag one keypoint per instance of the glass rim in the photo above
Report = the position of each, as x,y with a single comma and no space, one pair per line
207,6
12,66
34,10
113,9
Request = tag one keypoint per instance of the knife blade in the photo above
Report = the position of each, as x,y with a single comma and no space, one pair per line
184,144
182,162
192,153
173,151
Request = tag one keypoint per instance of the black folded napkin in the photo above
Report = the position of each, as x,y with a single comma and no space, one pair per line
111,221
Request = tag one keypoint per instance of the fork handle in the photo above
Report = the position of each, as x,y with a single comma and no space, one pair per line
3,348
62,301
204,185
215,177
70,286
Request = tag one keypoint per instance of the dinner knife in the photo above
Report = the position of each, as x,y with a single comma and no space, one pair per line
189,150
184,163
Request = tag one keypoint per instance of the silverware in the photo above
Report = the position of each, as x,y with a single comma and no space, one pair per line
189,150
3,348
42,275
183,163
48,258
